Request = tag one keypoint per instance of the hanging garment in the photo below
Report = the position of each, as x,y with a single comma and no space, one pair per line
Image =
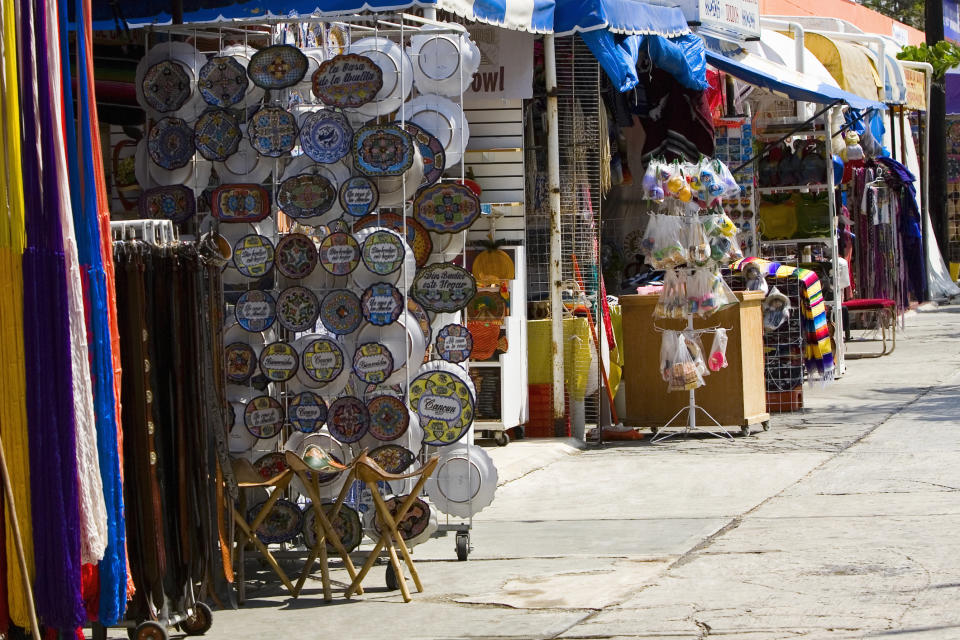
677,121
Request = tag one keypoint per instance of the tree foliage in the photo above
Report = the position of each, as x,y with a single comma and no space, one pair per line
908,12
943,56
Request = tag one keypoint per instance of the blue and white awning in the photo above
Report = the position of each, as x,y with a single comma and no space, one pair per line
632,17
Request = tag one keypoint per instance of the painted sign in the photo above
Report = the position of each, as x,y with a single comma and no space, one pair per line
506,64
347,81
737,18
916,92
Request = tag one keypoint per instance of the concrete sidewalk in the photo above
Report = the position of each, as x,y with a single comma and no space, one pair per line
839,522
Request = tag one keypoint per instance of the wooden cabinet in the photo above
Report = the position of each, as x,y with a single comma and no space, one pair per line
735,396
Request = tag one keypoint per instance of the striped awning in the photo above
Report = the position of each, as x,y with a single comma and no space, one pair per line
631,17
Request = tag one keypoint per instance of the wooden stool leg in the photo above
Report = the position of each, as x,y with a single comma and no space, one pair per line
397,567
306,572
265,552
324,569
364,570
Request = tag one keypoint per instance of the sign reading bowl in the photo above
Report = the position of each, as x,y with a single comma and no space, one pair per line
738,18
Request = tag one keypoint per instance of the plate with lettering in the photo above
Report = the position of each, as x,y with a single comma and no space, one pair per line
372,362
240,203
326,135
454,343
241,362
382,150
382,304
347,80
295,256
255,310
307,412
277,67
444,404
298,309
383,252
396,74
279,361
389,417
272,131
253,255
323,360
446,207
263,417
216,134
306,195
348,419
443,287
359,196
417,237
339,253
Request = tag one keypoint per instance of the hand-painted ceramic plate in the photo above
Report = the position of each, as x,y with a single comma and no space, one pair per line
191,62
263,417
382,304
175,203
240,203
167,86
382,150
389,417
382,252
298,309
443,288
279,361
431,151
417,237
444,404
414,522
270,465
393,458
216,134
347,81
306,195
340,312
446,208
465,481
346,526
454,343
307,412
241,362
443,119
170,143
256,310
296,256
372,362
223,81
339,253
277,67
323,360
348,419
282,524
396,73
422,318
326,135
272,131
359,196
253,256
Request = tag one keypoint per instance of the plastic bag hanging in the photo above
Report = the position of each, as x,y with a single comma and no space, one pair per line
718,350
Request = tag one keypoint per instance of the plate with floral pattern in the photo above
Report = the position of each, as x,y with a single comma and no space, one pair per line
270,465
431,151
326,135
256,310
216,134
279,361
348,419
382,150
414,522
174,202
393,458
167,86
240,203
170,143
339,253
341,312
446,208
346,525
223,81
263,417
272,131
422,318
389,417
277,67
307,412
282,524
323,360
296,256
306,195
253,255
297,309
372,362
382,304
241,362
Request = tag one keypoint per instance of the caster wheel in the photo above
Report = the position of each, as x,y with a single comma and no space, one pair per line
501,438
745,431
199,622
766,425
150,630
463,545
391,578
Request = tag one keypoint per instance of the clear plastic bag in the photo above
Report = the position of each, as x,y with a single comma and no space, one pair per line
776,310
730,187
672,303
681,371
698,243
669,248
718,350
695,349
652,189
668,349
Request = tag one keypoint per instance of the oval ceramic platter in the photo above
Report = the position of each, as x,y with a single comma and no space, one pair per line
393,458
240,203
446,208
382,150
277,67
282,524
443,288
175,203
347,81
306,195
431,151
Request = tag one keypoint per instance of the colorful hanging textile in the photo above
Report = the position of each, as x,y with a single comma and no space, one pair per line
818,355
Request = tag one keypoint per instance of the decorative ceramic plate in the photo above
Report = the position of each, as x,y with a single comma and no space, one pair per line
443,119
347,81
454,343
396,73
372,362
465,481
216,134
417,237
279,361
191,62
277,67
297,309
272,131
382,150
323,360
393,458
382,304
340,312
307,412
240,360
443,288
383,252
413,523
253,256
175,203
240,203
346,526
431,151
487,305
326,135
389,417
256,310
422,318
444,404
223,81
306,195
348,419
446,207
296,256
270,465
282,524
359,196
374,391
170,143
339,253
263,416
167,86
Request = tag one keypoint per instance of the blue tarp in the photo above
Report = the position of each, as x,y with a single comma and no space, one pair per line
683,57
619,16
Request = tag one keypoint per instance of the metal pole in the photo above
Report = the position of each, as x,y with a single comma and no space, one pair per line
553,186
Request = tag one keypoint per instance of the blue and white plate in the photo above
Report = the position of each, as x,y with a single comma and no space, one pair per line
272,131
277,67
170,143
223,81
326,135
217,134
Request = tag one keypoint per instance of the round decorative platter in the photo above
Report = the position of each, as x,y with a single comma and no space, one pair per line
297,309
358,196
279,361
339,253
253,255
348,419
389,417
295,256
372,362
445,405
323,360
454,343
341,312
326,135
255,310
241,362
382,304
382,150
263,417
307,412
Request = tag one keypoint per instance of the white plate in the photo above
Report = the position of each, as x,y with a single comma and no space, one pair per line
443,119
240,439
397,74
391,188
443,63
246,166
191,60
195,174
464,482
